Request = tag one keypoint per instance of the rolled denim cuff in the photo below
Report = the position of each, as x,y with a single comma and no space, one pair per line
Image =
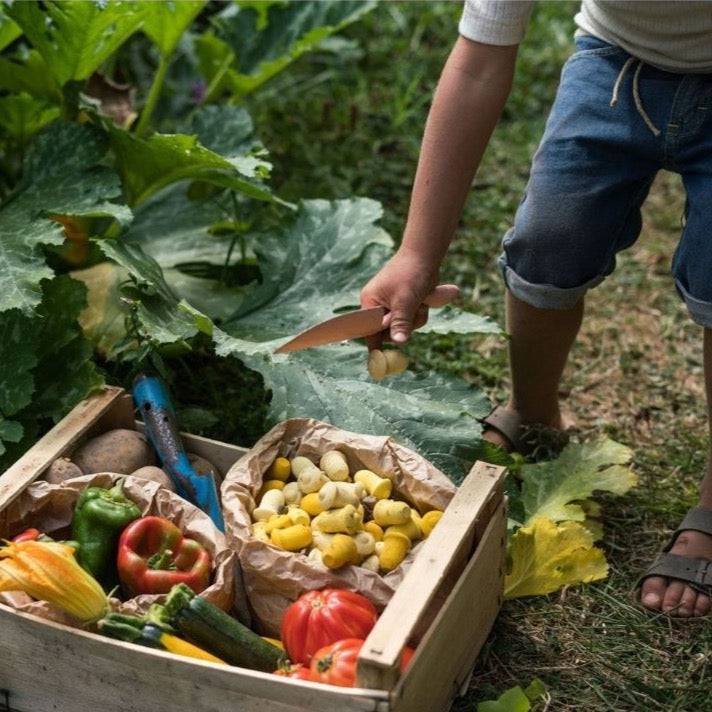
543,296
701,312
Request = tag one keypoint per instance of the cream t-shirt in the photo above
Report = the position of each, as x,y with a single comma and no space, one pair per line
675,35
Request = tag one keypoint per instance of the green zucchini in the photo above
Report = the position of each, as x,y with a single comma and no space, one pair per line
210,628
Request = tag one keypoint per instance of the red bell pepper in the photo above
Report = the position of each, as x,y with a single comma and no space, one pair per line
154,556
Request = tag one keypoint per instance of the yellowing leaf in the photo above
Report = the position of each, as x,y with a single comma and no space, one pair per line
551,488
546,556
103,318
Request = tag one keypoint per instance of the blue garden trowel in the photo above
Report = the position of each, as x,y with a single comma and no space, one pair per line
159,417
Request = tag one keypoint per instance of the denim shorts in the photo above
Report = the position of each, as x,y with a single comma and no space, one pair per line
593,170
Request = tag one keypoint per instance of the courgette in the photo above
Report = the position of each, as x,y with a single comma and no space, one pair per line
205,625
132,629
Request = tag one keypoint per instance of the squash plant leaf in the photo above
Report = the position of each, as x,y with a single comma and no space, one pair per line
63,175
165,22
551,488
76,37
47,362
316,266
147,165
433,414
163,316
512,700
545,555
252,42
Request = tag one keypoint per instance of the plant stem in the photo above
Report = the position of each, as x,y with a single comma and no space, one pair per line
243,242
153,95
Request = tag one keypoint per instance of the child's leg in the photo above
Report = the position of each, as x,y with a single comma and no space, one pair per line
540,341
692,267
659,593
538,349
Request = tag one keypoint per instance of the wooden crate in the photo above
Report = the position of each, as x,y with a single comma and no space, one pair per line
446,605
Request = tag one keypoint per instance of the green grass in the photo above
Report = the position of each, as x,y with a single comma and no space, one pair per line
351,124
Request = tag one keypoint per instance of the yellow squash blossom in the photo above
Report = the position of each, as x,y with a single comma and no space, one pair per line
49,572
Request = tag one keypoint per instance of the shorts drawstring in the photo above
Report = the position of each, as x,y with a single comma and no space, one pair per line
636,92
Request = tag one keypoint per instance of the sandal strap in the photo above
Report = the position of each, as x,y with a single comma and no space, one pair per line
697,519
508,424
697,573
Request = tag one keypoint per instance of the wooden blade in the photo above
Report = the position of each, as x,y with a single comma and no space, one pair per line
352,325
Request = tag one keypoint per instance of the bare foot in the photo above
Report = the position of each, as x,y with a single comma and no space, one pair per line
675,597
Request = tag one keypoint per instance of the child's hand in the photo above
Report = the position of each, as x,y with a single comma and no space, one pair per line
402,286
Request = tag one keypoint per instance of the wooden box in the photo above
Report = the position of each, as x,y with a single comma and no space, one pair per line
446,606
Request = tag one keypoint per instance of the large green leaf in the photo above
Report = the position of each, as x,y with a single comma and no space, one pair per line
166,21
315,266
237,163
65,372
253,42
63,176
311,268
549,488
435,415
76,36
22,115
163,316
47,366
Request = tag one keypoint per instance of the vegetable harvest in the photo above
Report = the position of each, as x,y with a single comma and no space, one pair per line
153,556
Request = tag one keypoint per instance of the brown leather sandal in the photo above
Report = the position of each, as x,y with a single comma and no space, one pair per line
696,573
533,441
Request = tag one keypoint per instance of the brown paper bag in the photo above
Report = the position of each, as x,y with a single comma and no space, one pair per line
49,508
275,578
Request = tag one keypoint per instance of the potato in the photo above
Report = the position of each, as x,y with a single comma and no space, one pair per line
396,362
154,474
121,451
204,467
60,470
377,364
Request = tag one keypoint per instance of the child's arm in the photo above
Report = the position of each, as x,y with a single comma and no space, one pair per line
471,93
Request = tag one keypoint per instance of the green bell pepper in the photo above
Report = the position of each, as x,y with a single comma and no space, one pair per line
99,518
